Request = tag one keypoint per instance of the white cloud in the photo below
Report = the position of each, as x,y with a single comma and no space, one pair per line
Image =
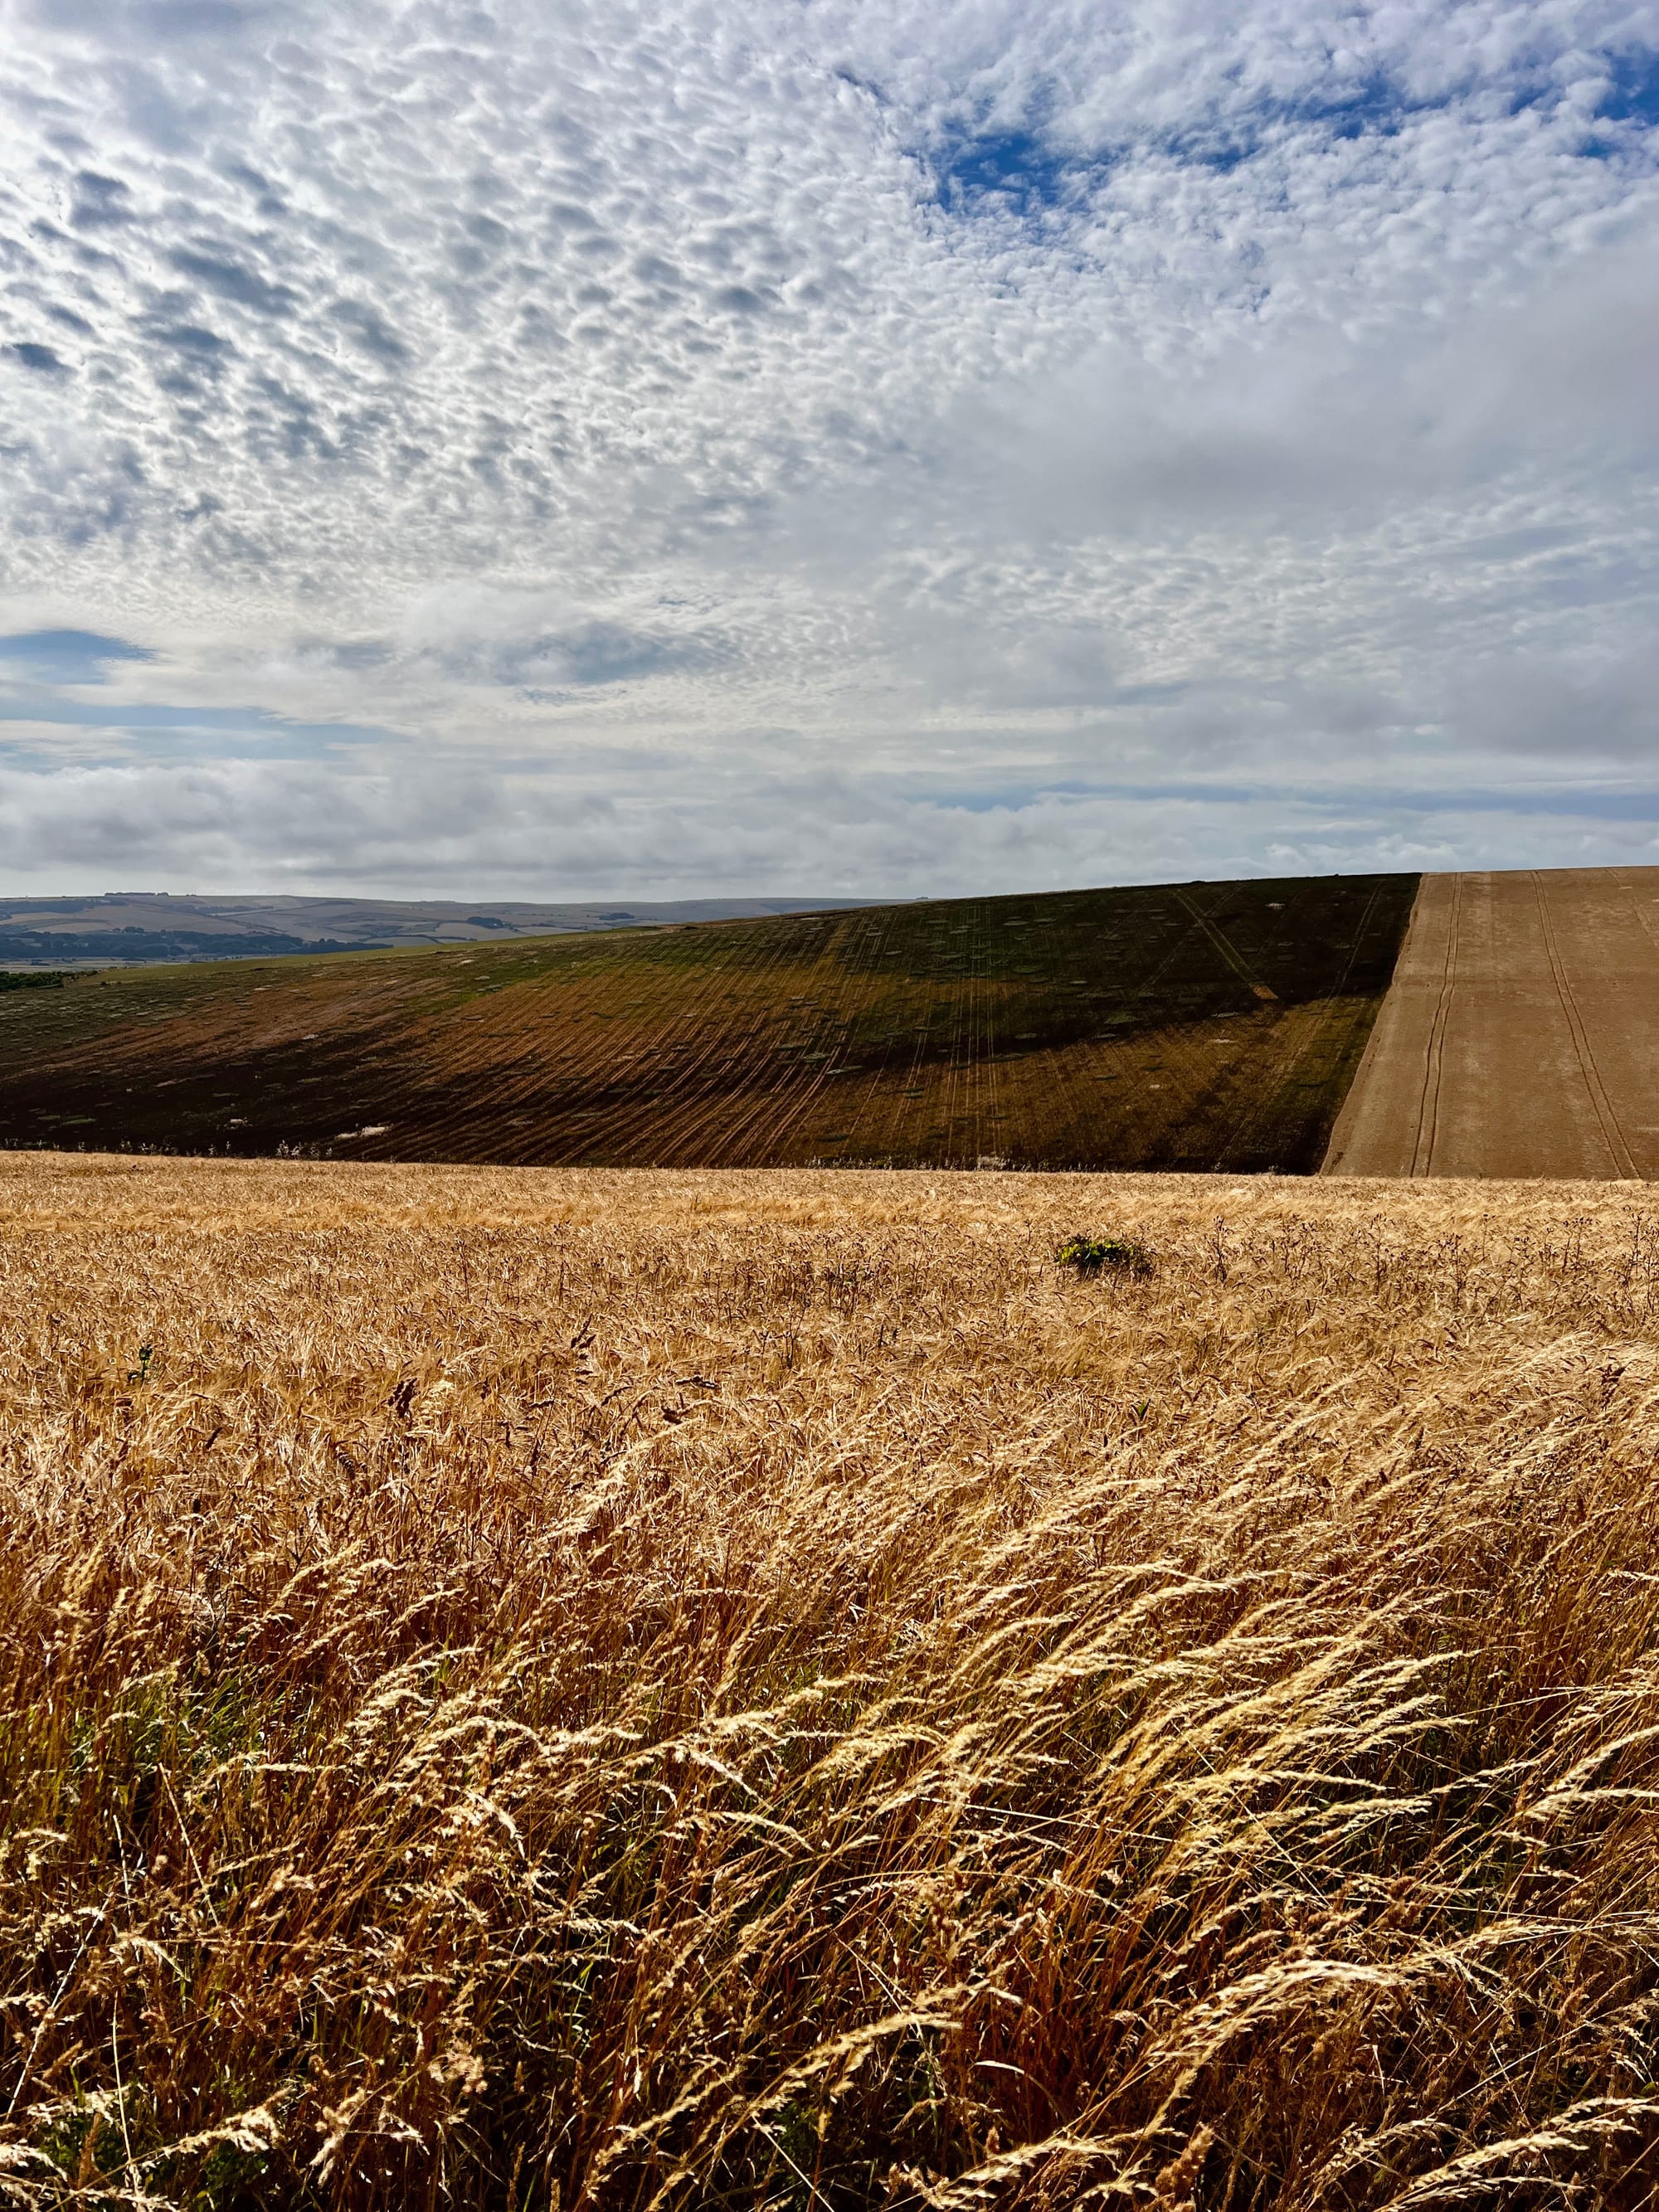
295,827
686,445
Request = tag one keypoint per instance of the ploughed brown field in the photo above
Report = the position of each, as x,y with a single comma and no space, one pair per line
531,1689
1188,1026
1521,1036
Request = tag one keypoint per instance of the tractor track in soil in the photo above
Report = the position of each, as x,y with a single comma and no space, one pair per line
1520,1036
1183,1026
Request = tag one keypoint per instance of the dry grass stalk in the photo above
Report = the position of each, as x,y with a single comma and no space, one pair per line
730,1690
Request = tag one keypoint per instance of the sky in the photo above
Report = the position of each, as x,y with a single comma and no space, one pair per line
685,447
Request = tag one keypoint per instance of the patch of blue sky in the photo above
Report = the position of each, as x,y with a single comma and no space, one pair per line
66,656
1633,94
163,733
1017,169
605,654
597,654
1374,107
1629,108
1025,171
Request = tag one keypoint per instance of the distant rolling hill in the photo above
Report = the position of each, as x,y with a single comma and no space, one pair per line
124,928
1180,1026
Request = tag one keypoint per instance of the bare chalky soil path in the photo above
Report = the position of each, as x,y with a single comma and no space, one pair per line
1520,1036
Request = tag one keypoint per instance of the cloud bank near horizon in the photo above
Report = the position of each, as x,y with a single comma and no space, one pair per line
691,447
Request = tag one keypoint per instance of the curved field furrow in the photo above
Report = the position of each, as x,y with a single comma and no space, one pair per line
1179,1026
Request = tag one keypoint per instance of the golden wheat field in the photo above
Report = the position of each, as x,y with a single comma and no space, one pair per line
528,1688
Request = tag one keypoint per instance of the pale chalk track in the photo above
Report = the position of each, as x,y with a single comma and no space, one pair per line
1520,1036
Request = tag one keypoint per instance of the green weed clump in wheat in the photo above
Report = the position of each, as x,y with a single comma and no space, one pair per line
1093,1255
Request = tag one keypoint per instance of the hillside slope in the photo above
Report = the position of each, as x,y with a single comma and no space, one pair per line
141,928
1521,1035
1180,1026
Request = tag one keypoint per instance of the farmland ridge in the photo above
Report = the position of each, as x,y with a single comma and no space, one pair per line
1187,1026
139,928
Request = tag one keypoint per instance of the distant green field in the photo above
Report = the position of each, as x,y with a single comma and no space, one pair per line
1180,1026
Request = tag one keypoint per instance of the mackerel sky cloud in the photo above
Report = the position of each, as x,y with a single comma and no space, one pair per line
810,446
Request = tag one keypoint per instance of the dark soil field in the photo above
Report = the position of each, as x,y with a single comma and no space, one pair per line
1183,1027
